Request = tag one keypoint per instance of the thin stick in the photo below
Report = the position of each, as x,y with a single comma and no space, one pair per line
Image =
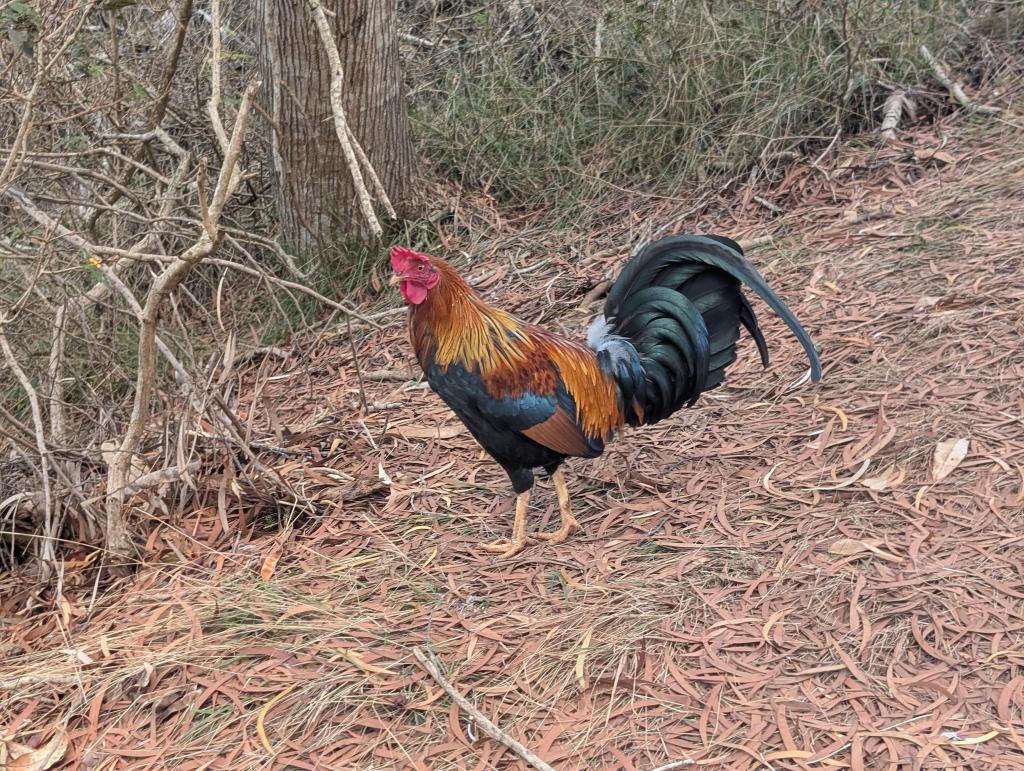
48,551
486,725
340,121
164,93
955,89
160,476
753,243
213,106
102,287
769,205
674,764
375,183
355,363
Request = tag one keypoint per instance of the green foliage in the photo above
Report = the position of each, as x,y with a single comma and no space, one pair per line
557,100
22,23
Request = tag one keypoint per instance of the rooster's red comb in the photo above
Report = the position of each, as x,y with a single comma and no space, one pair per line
401,256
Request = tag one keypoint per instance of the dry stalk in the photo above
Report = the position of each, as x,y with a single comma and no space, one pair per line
489,728
341,127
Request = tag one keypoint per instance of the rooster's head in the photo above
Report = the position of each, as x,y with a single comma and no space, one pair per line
414,274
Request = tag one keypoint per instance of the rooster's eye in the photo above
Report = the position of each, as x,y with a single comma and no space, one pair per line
420,267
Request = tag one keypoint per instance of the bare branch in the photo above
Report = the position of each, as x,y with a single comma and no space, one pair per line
375,183
164,93
160,476
100,290
48,552
118,540
955,89
213,106
340,121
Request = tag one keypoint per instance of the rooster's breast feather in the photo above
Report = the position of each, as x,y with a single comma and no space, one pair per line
552,392
583,399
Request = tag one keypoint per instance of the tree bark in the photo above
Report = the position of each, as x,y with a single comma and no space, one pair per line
315,195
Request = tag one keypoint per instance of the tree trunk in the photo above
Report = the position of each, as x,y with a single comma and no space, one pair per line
313,188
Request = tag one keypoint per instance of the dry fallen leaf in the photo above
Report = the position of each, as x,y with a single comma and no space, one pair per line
948,455
889,477
47,756
270,561
789,755
849,480
428,432
261,719
772,620
357,658
932,154
848,547
581,657
974,739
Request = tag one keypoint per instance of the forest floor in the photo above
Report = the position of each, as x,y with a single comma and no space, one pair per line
777,578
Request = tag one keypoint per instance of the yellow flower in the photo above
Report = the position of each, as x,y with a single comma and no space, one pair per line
95,262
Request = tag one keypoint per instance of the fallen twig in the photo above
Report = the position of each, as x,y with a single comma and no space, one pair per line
160,476
397,375
15,683
674,764
753,243
955,89
892,113
486,725
768,205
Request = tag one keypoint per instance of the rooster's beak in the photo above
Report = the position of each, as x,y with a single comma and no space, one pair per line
395,279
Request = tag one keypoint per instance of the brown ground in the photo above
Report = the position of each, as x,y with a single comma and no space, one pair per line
772,580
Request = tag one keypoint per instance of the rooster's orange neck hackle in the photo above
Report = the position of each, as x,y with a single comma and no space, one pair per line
454,325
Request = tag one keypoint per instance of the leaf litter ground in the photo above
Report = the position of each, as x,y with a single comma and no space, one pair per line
789,576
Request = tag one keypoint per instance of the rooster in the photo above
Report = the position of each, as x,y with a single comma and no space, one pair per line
533,398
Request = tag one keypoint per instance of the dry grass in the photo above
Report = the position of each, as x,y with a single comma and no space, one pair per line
703,613
566,102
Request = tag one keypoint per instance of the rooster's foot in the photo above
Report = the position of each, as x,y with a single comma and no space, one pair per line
561,534
504,547
510,548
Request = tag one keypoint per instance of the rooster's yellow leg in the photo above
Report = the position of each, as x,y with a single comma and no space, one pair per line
564,508
508,548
